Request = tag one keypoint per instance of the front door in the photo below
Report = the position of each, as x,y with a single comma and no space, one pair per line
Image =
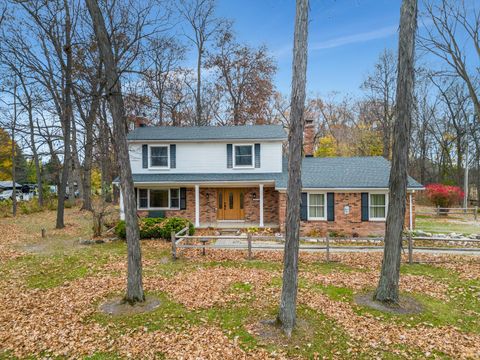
231,204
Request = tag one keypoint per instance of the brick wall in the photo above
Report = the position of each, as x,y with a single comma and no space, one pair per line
344,224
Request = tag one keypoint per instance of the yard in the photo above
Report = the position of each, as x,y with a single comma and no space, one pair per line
458,223
214,306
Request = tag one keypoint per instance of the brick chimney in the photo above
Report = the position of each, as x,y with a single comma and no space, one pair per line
308,138
140,121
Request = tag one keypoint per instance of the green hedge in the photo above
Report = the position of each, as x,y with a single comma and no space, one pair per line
154,228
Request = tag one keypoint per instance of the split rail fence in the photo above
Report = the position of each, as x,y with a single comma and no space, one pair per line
251,242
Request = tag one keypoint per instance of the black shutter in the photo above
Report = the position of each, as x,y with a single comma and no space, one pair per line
257,155
229,156
331,206
364,206
145,156
173,156
183,198
303,207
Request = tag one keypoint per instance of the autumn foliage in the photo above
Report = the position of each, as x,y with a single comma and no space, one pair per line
444,195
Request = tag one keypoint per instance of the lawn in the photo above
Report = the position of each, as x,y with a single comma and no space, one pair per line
459,225
215,306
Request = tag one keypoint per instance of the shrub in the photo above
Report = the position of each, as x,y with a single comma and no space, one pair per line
5,208
443,195
153,228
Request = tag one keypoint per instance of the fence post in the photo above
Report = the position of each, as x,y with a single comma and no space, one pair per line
438,210
249,243
44,232
174,245
475,209
410,248
328,247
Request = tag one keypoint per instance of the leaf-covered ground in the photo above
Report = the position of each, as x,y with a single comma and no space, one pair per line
212,307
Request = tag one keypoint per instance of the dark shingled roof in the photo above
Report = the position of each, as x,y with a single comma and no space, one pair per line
203,133
345,172
317,173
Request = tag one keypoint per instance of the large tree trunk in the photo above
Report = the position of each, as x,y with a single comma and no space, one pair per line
199,87
288,301
387,290
14,158
115,98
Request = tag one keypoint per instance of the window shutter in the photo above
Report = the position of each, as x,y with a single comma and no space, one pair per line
257,155
145,156
183,198
229,156
330,206
173,156
303,207
364,206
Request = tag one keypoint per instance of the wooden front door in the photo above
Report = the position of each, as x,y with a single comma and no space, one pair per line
231,204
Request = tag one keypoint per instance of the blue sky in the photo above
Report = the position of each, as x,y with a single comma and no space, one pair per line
345,39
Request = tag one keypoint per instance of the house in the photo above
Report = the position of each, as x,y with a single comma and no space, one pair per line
236,176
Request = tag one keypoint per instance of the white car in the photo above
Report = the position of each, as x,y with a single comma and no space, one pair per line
7,194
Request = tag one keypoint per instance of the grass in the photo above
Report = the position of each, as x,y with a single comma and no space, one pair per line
446,225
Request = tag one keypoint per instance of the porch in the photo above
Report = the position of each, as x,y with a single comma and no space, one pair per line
237,225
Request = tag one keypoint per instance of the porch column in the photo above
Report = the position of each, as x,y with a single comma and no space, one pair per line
261,204
410,211
122,207
197,205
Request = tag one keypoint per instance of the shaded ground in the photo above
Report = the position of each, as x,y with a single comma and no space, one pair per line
211,306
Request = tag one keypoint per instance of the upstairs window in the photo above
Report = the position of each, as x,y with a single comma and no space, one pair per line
243,155
159,156
378,206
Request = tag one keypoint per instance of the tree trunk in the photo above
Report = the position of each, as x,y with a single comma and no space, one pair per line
67,121
387,290
288,301
115,98
14,158
199,87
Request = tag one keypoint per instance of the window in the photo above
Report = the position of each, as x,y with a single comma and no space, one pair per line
158,156
142,198
378,206
316,206
159,198
243,155
174,198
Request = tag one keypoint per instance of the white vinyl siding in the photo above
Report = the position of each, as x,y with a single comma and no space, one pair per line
377,206
208,157
316,206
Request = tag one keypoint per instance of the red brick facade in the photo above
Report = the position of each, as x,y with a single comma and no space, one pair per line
275,210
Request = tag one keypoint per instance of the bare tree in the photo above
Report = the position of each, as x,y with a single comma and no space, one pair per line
288,301
387,290
200,15
114,95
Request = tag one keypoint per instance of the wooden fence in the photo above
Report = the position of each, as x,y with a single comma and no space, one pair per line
439,211
251,242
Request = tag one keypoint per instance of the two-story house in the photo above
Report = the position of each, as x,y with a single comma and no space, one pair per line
236,177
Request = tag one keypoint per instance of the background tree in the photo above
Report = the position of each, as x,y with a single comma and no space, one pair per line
387,290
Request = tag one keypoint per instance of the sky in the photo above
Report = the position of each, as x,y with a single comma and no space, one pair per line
345,37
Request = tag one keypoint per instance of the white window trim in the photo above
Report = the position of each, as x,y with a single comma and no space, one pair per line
150,166
158,208
324,206
370,217
235,166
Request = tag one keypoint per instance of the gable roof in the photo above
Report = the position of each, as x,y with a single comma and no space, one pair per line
205,133
372,172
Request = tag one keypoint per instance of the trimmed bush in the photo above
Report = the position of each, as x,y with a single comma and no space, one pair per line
154,228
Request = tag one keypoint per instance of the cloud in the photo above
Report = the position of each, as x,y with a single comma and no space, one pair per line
355,38
381,33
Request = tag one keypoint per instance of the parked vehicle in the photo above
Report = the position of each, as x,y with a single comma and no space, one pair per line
8,194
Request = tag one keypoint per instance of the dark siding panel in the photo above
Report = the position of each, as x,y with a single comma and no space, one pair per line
183,198
229,156
145,156
303,207
173,156
364,206
257,155
331,206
